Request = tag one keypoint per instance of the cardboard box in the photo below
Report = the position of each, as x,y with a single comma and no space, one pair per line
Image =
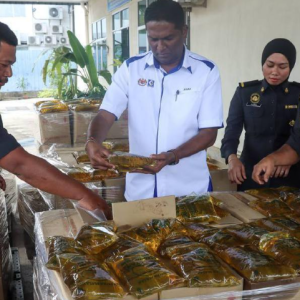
52,128
81,121
237,208
220,181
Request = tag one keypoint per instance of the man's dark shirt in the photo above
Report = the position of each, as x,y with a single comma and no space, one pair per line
268,115
7,142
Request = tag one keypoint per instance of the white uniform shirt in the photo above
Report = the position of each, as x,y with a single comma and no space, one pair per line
164,111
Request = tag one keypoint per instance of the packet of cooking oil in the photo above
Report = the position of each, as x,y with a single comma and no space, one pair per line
284,224
115,145
81,157
88,278
47,102
270,193
292,200
84,107
99,175
152,233
196,208
254,265
282,247
51,107
122,244
270,208
195,230
95,238
249,234
78,173
126,162
167,245
219,239
59,245
200,267
142,273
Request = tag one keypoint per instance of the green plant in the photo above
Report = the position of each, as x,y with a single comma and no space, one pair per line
49,93
22,84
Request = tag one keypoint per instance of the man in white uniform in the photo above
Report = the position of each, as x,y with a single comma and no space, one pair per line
174,106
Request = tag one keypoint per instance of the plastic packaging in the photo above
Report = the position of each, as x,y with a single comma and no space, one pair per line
196,208
255,266
126,162
5,251
142,273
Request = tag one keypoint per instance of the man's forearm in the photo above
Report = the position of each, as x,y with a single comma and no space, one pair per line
204,139
40,174
285,156
100,125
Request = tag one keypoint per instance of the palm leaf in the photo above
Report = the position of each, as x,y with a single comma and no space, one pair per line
78,50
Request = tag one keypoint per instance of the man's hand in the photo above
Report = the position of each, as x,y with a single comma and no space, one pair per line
281,171
2,183
263,170
93,201
98,156
163,159
236,171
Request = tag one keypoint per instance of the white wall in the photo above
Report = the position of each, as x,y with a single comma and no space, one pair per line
233,34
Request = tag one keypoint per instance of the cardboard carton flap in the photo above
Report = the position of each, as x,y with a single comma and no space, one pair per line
138,212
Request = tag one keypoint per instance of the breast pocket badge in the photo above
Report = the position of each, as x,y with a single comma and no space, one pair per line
254,100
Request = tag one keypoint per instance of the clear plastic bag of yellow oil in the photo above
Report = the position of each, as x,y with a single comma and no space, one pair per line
152,233
143,273
82,107
219,239
89,279
166,247
95,238
250,235
126,162
115,145
81,157
79,174
282,247
270,208
195,208
195,230
98,175
200,267
51,107
254,265
292,200
269,193
47,102
59,245
280,224
119,246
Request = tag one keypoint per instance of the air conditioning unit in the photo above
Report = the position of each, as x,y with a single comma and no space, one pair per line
33,40
55,13
63,40
40,27
56,29
50,40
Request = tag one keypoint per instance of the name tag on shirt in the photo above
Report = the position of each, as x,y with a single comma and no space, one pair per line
253,104
291,106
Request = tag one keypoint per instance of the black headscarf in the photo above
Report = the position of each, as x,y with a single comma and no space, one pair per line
282,46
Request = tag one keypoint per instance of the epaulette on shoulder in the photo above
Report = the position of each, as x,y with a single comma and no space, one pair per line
295,83
249,83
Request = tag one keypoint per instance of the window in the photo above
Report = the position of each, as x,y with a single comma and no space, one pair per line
142,35
99,44
121,35
12,10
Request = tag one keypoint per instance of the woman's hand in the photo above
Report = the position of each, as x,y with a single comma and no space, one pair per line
236,170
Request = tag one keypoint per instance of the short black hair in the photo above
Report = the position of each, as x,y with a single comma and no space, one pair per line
165,10
7,35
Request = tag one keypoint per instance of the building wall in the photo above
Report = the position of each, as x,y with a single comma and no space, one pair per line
232,33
